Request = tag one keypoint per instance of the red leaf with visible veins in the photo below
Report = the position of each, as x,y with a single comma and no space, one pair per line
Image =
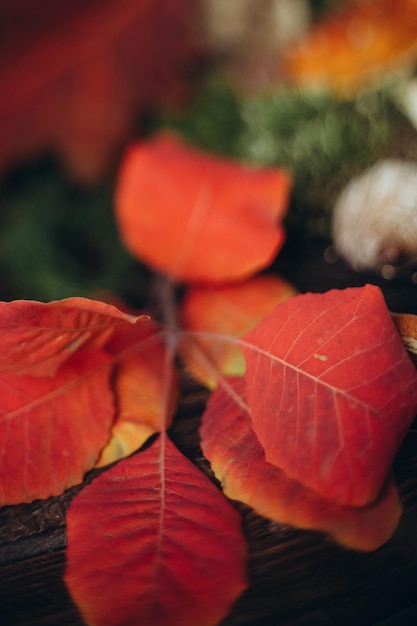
332,391
232,310
215,220
52,428
57,404
154,542
238,460
36,337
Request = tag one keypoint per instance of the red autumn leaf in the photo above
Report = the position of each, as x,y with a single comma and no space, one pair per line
146,388
215,220
332,391
52,428
360,42
238,461
153,542
57,404
36,338
76,79
231,310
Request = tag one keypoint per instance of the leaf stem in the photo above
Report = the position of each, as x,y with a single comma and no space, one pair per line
165,290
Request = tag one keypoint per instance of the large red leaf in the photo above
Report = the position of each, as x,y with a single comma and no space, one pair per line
153,542
36,338
77,74
232,310
332,391
145,383
52,428
238,460
214,220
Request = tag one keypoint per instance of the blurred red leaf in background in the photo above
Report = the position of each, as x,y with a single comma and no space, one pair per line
216,220
74,75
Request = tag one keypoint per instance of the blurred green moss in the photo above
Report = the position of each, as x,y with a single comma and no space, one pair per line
57,240
213,121
321,140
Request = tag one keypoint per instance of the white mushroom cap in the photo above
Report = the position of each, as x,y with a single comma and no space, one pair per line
375,217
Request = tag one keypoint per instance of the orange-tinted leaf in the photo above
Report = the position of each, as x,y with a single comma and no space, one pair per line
213,220
348,48
153,542
57,405
406,325
77,77
238,460
53,428
36,338
146,387
231,310
332,391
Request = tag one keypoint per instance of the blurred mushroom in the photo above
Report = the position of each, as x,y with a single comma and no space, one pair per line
375,218
365,40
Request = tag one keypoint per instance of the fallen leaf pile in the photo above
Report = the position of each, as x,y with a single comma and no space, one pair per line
311,398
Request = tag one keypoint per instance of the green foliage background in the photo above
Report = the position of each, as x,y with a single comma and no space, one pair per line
321,140
58,240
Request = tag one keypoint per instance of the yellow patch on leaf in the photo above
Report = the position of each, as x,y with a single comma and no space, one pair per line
226,311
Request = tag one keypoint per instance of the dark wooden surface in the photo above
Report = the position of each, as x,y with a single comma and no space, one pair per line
297,577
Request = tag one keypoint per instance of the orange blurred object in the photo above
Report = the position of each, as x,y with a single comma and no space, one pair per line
74,75
347,49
